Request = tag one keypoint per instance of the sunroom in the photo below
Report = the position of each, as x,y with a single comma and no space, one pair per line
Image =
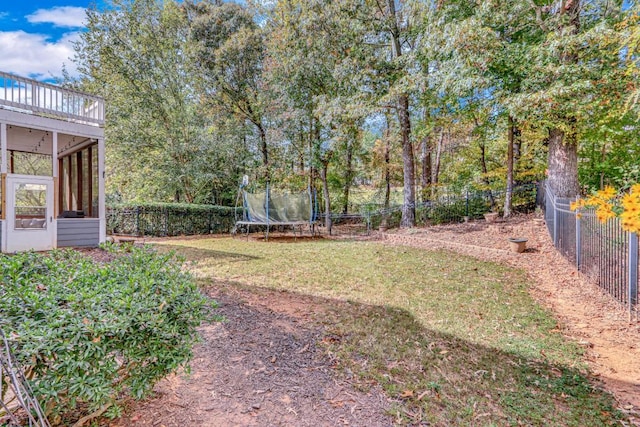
51,166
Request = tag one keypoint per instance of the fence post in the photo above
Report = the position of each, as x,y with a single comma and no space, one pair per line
555,225
633,271
578,242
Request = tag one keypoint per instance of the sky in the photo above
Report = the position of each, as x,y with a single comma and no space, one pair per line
36,36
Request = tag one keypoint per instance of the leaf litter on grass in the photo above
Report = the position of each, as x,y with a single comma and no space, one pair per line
454,340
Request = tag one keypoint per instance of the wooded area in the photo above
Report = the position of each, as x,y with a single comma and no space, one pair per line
359,98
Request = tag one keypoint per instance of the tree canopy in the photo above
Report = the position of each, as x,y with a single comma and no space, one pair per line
358,97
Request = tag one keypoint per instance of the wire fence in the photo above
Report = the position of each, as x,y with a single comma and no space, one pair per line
171,219
604,252
445,209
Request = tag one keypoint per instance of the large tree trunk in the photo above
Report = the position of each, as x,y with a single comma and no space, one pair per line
510,161
563,164
409,192
409,202
563,146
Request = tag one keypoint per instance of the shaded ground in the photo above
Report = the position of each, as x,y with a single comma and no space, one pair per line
586,314
264,365
261,367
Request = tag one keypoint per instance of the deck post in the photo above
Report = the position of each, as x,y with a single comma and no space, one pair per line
3,148
102,211
56,187
3,186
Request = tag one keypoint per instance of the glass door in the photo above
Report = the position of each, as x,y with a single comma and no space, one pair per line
29,213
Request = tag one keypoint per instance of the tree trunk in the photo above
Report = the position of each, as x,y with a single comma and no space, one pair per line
265,154
517,148
312,169
348,176
510,144
409,192
387,171
325,194
563,147
563,164
435,170
409,202
483,164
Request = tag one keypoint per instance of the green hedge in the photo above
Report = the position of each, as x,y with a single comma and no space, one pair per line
169,219
91,333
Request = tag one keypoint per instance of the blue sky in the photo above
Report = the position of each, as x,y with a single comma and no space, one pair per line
36,36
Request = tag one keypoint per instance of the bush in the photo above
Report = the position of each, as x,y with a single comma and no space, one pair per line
92,334
169,219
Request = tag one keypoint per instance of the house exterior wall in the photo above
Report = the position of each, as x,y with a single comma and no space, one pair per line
60,136
81,232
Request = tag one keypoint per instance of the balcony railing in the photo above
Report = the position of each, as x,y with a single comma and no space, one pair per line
44,99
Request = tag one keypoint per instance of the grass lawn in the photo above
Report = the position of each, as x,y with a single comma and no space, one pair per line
454,340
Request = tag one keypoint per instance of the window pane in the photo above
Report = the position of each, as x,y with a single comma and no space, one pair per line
31,163
31,206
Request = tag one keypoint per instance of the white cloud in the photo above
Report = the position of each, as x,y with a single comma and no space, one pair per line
60,16
34,55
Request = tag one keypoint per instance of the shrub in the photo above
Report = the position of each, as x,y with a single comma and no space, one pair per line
169,219
92,334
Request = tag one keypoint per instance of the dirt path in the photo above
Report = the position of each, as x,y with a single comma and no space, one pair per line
586,314
261,367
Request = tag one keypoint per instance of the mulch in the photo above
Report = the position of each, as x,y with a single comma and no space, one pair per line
259,367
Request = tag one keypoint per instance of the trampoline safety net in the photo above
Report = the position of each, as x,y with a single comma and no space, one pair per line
278,208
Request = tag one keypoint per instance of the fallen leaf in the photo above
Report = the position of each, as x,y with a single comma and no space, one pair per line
406,394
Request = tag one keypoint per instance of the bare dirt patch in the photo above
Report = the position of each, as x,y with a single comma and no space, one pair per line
586,314
260,367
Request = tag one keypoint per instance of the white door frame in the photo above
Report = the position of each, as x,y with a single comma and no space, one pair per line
18,239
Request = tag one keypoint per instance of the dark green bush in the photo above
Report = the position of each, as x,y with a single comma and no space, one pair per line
94,333
169,219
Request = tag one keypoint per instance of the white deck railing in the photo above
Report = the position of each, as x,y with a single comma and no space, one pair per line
48,100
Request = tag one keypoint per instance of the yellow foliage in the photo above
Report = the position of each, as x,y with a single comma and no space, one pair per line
608,205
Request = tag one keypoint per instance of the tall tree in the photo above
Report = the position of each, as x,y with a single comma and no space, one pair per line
393,25
133,54
229,49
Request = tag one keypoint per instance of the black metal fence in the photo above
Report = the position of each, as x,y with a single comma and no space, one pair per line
445,209
604,252
169,219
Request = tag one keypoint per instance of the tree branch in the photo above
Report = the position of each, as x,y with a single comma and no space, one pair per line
82,421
